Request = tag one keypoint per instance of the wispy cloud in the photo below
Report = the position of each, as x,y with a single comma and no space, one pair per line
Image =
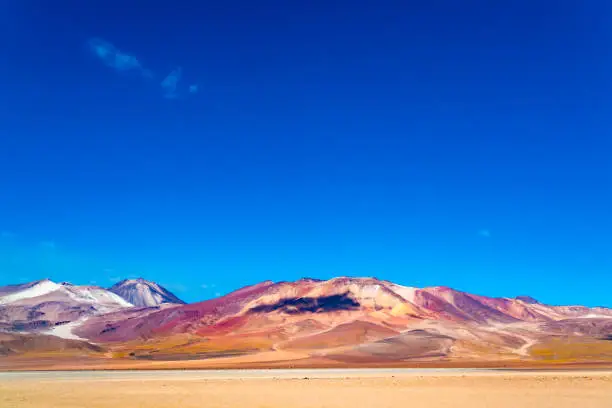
121,62
170,84
6,234
115,58
170,81
48,244
485,233
217,294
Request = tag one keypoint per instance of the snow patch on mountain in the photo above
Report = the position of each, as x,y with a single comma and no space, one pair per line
407,292
65,330
41,288
95,296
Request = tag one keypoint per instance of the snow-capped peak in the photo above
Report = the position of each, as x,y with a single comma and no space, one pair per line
141,292
95,295
39,288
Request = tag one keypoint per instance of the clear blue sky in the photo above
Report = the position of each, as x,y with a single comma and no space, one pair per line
465,144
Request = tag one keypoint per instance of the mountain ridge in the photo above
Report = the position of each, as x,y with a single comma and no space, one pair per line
343,319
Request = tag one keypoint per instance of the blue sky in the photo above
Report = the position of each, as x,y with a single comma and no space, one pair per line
210,145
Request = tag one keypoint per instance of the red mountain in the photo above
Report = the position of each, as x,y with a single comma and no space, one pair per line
347,320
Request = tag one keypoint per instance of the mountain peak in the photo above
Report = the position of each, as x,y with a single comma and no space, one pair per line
144,293
308,279
132,280
527,299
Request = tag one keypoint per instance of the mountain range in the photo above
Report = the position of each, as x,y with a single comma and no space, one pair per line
337,322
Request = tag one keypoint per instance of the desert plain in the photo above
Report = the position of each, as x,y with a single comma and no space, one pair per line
417,388
344,342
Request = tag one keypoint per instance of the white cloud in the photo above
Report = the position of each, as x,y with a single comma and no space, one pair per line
217,294
115,58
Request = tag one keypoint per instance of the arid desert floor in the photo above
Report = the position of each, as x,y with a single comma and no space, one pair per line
308,388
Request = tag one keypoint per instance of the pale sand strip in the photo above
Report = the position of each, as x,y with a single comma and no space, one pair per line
344,389
307,373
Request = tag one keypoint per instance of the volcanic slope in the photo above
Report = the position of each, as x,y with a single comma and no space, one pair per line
348,318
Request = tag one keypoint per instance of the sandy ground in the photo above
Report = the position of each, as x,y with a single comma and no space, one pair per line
308,388
265,360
